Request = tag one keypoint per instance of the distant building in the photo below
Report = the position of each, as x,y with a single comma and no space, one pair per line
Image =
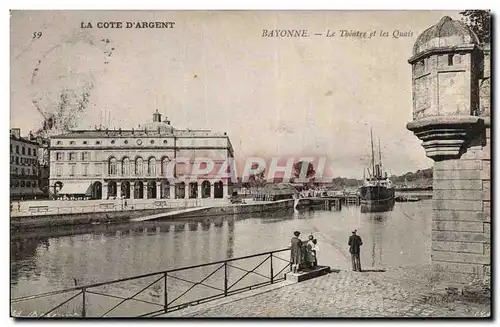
132,163
24,167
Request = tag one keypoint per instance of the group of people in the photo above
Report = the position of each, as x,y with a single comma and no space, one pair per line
305,255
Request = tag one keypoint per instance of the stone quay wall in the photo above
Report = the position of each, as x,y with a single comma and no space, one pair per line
239,209
20,223
54,220
461,224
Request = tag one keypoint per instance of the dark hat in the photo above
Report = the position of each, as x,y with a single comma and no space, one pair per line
354,231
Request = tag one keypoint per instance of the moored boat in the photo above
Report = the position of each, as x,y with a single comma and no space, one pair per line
377,193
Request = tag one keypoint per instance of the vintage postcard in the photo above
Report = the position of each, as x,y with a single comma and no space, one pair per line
250,164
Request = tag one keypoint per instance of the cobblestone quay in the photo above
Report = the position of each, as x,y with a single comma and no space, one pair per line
397,292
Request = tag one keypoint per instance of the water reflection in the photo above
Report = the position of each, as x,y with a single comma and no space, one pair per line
48,259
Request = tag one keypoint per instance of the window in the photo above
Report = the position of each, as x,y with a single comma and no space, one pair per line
85,169
16,183
33,183
58,142
16,171
11,183
72,156
112,141
11,148
72,169
22,183
98,169
34,152
165,142
22,171
97,142
450,60
112,166
29,151
17,160
58,170
138,166
126,141
71,142
125,166
164,166
84,142
59,156
17,149
152,166
152,142
85,156
23,150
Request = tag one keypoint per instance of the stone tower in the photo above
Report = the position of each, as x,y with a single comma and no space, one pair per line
451,115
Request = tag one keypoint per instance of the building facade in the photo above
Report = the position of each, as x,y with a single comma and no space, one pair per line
24,167
133,164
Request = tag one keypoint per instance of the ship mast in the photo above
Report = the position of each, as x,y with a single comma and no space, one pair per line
379,153
373,154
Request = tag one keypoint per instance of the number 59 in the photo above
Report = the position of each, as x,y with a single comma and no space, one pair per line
37,35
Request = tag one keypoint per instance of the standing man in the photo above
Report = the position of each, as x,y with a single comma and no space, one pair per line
296,252
355,243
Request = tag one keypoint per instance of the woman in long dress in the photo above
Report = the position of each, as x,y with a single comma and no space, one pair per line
315,250
309,255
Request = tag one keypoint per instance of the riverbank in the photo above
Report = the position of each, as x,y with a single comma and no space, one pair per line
407,292
90,218
230,209
59,220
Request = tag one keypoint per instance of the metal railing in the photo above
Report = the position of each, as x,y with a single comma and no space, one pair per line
166,295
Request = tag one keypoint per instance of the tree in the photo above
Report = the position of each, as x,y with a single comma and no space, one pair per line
297,169
479,22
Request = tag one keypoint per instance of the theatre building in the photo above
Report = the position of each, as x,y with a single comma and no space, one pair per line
132,164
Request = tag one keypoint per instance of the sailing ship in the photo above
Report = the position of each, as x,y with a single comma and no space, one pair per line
377,192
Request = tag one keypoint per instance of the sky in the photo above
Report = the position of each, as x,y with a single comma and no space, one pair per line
287,97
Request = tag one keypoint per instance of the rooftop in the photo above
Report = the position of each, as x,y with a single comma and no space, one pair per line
446,33
156,128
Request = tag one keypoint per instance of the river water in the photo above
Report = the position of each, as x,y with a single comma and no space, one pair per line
51,259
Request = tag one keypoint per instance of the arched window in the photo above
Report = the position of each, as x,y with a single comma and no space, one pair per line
164,165
152,166
125,166
138,166
112,166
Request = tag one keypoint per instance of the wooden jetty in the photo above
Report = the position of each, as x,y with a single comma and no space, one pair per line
328,202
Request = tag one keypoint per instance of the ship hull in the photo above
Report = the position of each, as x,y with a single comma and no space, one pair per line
377,198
